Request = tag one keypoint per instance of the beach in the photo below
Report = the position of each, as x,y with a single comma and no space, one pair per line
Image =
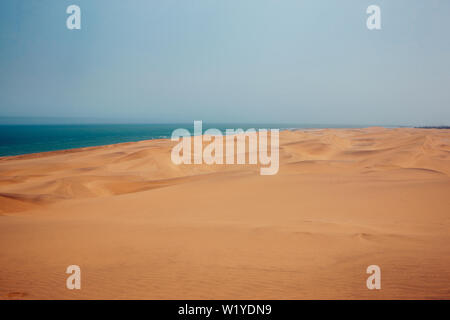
141,227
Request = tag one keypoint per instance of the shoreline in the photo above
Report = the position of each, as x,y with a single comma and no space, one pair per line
39,154
130,137
34,155
81,149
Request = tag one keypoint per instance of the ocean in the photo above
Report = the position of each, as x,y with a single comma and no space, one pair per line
23,139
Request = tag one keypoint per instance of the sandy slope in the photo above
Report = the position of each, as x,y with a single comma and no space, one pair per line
142,227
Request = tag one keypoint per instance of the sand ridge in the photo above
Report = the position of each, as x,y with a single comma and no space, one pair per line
142,227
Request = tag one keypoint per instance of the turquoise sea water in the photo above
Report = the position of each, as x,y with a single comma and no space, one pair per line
22,139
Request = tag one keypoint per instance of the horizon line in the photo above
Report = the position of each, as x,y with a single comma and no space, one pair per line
23,120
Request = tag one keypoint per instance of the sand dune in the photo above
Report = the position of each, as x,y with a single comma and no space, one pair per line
140,226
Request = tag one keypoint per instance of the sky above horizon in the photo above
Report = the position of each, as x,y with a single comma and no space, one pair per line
288,61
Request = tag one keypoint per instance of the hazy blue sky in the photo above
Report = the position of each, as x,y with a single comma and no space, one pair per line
304,61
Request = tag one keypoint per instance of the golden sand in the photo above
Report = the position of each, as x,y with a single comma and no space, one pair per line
141,227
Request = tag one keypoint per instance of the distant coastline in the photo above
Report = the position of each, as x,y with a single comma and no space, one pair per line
19,139
433,127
